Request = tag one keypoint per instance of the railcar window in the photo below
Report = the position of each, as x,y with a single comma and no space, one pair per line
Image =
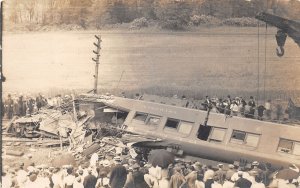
172,123
217,134
238,135
152,120
289,146
140,116
185,127
296,149
252,140
285,145
203,132
244,138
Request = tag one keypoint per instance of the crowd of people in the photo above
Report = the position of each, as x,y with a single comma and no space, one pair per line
129,173
239,107
20,105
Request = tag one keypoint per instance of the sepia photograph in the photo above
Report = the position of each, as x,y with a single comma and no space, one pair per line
150,93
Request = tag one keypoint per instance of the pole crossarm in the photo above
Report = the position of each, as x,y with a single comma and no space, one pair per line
96,59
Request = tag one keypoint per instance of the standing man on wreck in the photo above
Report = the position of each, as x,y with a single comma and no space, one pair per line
9,107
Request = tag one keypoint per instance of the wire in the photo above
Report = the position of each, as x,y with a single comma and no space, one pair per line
265,72
258,60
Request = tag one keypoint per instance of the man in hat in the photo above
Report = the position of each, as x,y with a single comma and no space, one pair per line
32,183
149,179
231,170
118,176
220,173
177,179
103,180
117,160
268,111
39,102
216,183
156,172
260,112
9,106
137,180
90,180
228,183
252,105
209,173
21,175
207,103
6,180
69,179
198,167
78,183
56,178
255,171
129,181
242,182
94,160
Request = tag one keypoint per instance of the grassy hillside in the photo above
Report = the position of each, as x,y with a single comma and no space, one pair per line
214,61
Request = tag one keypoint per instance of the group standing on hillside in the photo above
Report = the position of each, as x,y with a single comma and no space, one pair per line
20,105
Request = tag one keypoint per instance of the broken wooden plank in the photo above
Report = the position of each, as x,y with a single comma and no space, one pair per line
92,149
14,153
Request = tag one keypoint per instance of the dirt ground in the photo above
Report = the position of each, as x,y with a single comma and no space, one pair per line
214,61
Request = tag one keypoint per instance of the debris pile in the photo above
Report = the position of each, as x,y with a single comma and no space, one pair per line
65,131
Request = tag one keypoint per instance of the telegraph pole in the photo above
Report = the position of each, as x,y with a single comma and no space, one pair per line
97,53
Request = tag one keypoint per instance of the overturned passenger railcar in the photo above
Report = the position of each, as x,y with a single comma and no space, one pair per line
227,139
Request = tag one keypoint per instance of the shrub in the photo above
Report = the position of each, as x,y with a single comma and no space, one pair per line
204,20
242,22
174,16
139,23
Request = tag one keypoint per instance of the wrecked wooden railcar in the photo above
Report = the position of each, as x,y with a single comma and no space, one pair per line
48,123
186,132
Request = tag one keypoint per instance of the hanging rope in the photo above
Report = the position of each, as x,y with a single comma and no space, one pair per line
258,61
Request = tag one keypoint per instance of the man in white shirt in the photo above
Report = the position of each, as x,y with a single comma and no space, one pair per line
228,183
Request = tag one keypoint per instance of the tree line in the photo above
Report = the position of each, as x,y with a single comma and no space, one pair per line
97,13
